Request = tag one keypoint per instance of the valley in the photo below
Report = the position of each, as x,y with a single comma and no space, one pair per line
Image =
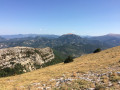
67,44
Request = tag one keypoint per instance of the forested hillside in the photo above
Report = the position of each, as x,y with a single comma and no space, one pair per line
69,44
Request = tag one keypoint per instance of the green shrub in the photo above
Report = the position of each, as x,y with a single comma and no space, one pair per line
12,63
18,69
68,59
97,50
37,66
29,53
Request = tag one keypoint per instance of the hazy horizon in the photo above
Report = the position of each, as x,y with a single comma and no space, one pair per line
57,34
81,17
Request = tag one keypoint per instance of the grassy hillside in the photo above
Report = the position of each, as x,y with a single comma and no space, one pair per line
102,62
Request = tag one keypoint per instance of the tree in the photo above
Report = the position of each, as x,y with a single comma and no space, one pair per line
97,50
68,59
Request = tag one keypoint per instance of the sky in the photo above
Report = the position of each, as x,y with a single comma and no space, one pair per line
82,17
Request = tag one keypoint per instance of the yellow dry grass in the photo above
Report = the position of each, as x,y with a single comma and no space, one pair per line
91,62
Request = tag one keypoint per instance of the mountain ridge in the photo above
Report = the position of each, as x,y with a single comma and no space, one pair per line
77,45
74,42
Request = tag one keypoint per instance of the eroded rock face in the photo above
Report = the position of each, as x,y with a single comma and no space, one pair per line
26,56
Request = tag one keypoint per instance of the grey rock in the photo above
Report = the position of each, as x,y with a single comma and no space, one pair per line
26,56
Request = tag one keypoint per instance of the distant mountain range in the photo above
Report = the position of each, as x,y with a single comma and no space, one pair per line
110,39
67,44
105,37
2,39
28,35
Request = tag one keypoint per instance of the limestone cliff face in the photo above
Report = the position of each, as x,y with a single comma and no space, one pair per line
26,56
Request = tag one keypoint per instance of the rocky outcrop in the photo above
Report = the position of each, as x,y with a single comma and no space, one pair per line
26,56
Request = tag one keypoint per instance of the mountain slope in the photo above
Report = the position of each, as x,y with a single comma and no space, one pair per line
2,39
77,45
114,35
94,65
28,35
110,39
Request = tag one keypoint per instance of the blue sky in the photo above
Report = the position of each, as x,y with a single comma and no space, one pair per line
82,17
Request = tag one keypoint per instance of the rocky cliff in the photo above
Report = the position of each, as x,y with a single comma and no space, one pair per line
28,57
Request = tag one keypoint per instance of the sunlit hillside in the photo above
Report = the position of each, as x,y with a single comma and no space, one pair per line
103,62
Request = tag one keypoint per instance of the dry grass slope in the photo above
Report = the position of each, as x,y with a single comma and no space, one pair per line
97,62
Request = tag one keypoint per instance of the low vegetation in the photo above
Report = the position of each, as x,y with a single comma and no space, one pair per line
18,69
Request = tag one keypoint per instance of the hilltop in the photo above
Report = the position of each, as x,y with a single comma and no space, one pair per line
110,39
95,70
114,35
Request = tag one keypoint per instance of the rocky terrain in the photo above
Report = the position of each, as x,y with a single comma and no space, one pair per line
25,56
81,81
